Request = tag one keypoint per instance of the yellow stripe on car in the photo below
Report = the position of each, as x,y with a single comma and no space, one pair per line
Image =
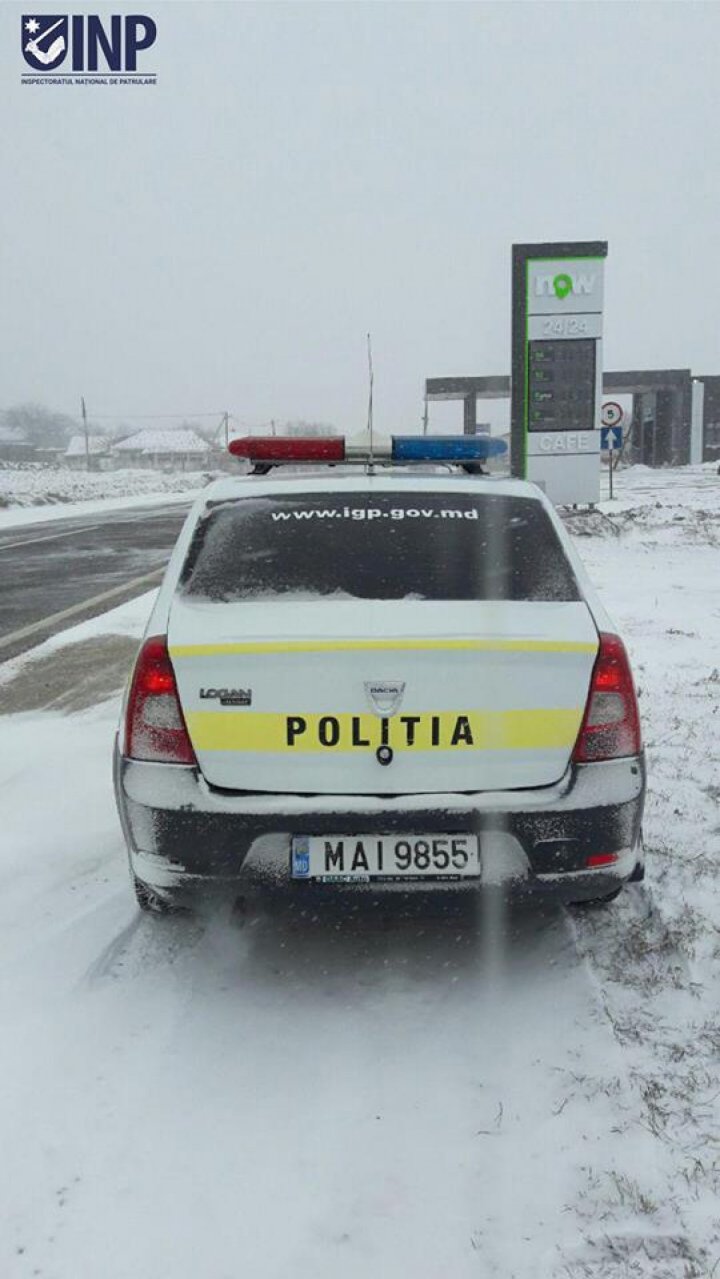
254,731
335,646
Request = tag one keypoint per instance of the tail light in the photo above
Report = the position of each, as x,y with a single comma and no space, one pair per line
154,725
611,724
602,859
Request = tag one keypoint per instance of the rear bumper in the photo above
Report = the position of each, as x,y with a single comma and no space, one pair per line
180,831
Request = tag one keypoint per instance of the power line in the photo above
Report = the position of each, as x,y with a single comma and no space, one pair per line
130,417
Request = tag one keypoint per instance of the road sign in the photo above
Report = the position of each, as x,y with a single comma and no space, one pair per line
610,438
612,413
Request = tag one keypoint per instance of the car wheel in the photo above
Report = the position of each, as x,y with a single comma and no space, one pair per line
155,903
591,902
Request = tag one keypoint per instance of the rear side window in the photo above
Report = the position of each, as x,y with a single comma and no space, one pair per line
424,545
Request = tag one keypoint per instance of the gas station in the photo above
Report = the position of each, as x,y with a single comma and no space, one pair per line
558,384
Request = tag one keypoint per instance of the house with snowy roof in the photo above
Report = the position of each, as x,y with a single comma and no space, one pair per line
181,450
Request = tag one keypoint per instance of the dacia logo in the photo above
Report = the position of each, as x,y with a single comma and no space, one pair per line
385,697
46,40
228,696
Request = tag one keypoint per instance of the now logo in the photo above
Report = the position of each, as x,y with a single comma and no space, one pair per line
110,44
563,284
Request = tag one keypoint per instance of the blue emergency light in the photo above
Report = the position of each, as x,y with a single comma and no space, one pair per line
445,448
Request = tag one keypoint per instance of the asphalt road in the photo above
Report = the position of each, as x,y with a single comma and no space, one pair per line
57,573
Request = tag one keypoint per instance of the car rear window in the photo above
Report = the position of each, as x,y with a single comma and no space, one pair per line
424,545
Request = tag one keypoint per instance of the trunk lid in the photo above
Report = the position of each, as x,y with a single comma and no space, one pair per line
286,696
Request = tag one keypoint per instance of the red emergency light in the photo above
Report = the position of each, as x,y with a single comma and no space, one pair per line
283,448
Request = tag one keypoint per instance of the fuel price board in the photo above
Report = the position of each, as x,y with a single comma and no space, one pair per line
561,385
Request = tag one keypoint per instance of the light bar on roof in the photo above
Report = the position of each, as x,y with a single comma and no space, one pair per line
276,449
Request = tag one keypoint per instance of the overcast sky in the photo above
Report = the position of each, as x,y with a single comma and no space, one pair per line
303,173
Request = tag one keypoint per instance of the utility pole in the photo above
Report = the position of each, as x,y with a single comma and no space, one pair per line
85,428
226,421
425,417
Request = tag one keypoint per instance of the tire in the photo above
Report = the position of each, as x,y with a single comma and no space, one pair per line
154,903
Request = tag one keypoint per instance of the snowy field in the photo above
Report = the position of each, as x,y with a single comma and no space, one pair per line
32,493
470,1092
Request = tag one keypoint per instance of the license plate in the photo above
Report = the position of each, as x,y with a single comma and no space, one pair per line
360,858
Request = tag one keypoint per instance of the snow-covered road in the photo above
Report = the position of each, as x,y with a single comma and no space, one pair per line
482,1092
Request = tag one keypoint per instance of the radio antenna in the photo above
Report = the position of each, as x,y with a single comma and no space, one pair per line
370,400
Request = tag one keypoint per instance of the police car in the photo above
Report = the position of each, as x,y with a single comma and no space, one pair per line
367,673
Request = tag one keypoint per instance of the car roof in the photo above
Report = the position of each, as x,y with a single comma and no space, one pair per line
352,480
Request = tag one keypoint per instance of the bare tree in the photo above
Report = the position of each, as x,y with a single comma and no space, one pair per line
40,426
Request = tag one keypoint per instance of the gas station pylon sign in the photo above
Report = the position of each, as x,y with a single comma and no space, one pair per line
557,312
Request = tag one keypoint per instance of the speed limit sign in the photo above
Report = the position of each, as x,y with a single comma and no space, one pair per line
612,413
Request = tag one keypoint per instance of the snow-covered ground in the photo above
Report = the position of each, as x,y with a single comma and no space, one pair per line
475,1093
29,494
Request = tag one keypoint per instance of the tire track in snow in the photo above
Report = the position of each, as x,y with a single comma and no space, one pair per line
375,1084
